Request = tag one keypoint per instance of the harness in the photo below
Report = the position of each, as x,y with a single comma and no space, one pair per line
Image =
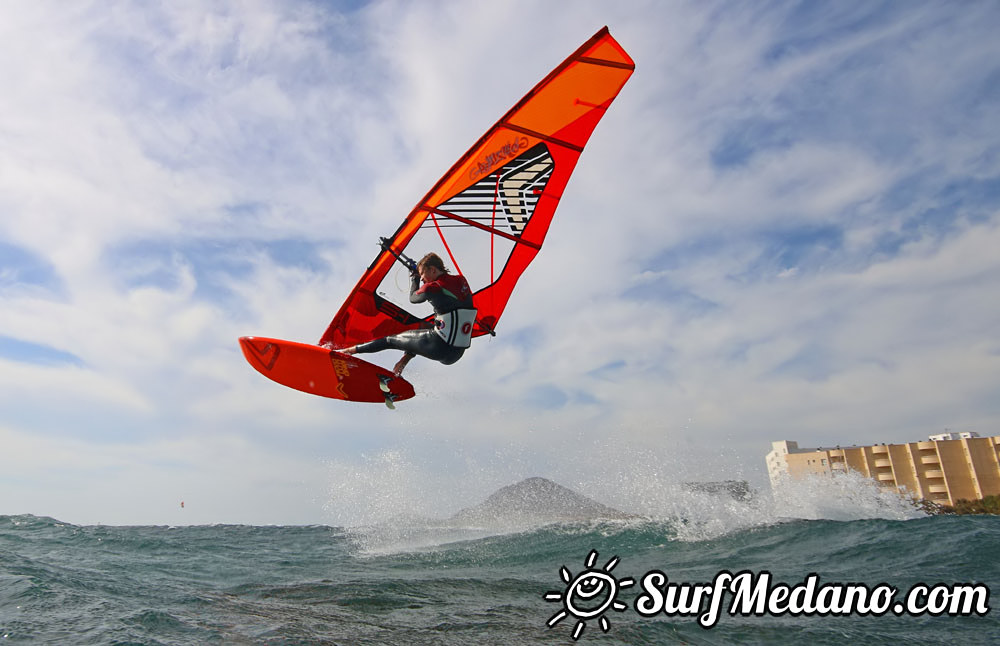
455,327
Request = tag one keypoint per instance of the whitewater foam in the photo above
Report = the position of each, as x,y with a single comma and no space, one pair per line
390,503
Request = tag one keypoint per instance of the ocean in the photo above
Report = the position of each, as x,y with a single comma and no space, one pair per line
427,583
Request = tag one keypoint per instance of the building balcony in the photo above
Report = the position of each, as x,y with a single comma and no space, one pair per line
934,473
883,462
930,459
938,488
880,449
886,477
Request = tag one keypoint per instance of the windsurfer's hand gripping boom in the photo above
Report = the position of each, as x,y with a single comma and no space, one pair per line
408,262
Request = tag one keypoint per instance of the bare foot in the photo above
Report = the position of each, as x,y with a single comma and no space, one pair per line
398,368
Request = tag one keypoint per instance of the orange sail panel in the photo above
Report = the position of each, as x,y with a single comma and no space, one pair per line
487,217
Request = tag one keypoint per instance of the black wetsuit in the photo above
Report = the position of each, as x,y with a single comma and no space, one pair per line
447,293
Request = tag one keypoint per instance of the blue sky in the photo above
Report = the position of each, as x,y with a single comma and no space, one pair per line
785,228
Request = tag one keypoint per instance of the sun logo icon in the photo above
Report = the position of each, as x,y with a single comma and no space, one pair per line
589,595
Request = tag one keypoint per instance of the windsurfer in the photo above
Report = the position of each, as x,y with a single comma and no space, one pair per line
454,316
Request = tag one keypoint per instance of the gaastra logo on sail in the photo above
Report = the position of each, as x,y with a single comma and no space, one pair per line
507,151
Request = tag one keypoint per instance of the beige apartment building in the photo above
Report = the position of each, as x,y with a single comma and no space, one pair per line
944,469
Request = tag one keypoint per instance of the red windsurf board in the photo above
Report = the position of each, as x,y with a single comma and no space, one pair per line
327,373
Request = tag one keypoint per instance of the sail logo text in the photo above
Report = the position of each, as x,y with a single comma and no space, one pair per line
504,152
589,595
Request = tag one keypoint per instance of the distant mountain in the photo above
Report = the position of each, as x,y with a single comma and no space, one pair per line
536,501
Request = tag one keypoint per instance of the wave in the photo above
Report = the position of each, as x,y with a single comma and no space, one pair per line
401,582
672,512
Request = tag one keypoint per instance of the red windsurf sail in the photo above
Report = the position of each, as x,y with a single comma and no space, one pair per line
487,217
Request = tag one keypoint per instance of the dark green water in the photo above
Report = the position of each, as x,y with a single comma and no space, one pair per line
66,584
